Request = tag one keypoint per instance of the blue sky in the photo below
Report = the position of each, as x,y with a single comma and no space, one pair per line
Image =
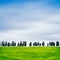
30,20
49,2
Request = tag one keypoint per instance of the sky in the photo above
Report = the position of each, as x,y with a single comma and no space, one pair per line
29,20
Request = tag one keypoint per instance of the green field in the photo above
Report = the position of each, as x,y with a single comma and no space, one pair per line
29,53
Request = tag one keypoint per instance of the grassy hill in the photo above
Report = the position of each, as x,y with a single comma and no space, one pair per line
29,53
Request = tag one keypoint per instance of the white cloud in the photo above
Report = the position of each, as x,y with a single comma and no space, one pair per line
30,22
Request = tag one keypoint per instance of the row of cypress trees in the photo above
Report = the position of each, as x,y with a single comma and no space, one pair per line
24,43
43,44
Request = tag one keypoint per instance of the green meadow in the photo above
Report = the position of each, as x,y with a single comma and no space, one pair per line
29,53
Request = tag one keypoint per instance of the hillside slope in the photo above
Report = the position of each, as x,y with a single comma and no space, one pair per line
29,53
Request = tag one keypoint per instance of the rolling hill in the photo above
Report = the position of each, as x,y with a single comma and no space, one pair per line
29,53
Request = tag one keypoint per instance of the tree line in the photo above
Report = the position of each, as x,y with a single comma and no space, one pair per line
24,43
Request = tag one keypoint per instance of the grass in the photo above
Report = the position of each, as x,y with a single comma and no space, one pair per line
29,53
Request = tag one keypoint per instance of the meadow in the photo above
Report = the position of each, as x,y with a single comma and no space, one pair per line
29,53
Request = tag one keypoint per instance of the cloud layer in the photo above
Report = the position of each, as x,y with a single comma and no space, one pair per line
30,22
